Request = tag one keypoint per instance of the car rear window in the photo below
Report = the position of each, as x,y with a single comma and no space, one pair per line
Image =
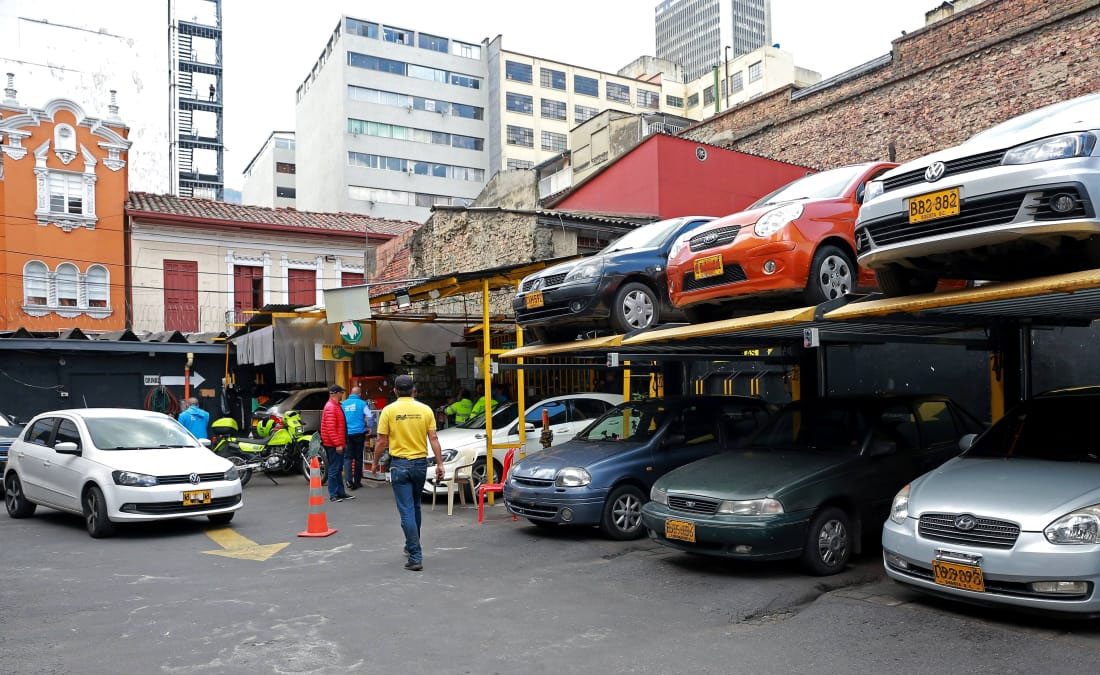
1057,429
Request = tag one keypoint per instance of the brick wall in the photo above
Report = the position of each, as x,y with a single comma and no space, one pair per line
943,83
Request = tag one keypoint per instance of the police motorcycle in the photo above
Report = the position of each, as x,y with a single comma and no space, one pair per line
281,449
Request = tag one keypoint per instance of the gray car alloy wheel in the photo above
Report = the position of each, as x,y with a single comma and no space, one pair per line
638,309
12,492
832,543
835,277
91,510
626,513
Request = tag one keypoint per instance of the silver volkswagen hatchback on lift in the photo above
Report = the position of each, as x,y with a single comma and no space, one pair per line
1016,201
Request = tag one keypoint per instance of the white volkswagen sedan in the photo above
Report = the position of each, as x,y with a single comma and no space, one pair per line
117,465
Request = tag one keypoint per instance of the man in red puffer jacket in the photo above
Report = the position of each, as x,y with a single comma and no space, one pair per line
334,432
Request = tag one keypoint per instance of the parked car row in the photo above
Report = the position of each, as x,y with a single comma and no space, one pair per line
1012,202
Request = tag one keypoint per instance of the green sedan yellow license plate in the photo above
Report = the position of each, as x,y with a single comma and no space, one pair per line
679,529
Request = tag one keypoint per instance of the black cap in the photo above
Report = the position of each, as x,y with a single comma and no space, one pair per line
403,383
336,389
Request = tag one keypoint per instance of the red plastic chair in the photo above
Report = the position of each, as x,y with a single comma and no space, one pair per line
486,488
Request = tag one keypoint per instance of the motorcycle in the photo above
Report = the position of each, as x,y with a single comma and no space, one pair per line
281,451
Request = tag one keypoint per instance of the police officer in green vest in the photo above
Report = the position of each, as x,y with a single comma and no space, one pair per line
479,405
461,409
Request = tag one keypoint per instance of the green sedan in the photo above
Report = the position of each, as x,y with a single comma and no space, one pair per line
811,483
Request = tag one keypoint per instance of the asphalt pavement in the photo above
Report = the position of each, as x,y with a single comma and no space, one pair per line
502,597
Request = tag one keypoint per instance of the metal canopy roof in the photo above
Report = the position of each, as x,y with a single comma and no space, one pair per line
957,317
461,283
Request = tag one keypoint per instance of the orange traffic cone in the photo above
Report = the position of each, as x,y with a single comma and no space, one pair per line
317,524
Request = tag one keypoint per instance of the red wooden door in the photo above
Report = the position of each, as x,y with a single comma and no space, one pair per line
351,279
248,287
181,295
302,286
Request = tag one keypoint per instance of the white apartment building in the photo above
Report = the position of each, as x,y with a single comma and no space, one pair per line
533,103
693,33
269,179
743,78
391,121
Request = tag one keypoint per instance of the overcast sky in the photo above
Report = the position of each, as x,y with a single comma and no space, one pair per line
270,45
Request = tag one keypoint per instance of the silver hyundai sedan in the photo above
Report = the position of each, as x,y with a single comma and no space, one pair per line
1015,201
1015,520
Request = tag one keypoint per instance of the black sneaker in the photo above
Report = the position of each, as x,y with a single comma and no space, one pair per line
414,566
348,496
336,499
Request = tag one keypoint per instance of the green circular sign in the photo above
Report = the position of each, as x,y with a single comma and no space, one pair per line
351,332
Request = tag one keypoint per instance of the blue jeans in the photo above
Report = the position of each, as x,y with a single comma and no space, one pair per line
407,479
353,453
334,468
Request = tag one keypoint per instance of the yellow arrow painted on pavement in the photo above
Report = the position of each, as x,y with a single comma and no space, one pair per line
236,545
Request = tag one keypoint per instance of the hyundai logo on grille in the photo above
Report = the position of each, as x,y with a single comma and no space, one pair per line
194,478
710,238
966,522
934,172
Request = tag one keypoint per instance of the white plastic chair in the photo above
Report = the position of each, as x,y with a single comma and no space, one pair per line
463,475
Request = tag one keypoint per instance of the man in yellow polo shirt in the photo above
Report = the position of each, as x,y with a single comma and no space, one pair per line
405,427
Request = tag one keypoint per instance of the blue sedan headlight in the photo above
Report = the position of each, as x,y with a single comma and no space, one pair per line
572,477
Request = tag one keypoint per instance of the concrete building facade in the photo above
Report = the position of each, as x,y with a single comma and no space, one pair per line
743,78
269,179
390,122
694,33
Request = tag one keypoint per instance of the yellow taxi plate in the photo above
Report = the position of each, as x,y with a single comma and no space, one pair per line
196,497
934,205
710,266
534,299
965,577
678,529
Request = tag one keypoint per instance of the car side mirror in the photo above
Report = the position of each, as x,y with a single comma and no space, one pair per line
15,420
967,441
883,448
530,428
673,439
67,448
861,192
204,442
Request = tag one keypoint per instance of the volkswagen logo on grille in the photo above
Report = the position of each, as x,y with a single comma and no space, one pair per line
194,478
934,172
690,504
710,238
965,522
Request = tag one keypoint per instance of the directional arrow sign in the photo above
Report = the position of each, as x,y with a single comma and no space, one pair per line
239,546
177,380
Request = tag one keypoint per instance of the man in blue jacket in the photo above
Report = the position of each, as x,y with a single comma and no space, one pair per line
195,419
360,420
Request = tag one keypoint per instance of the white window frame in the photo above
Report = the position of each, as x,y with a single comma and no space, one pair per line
53,302
44,178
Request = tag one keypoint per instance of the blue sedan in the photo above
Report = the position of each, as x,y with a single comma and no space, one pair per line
603,476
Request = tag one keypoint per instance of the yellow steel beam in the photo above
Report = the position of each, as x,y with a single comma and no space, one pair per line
563,348
487,376
786,317
1060,283
520,397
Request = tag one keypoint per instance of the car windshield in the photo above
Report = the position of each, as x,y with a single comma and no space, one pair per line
821,426
137,433
1055,429
1076,115
824,185
503,415
629,423
647,236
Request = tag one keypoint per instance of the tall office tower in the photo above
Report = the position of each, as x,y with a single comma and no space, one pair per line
693,33
198,102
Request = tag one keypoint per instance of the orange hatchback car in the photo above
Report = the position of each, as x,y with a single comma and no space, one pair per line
795,245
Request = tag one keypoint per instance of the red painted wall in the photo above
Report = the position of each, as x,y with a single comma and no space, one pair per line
663,177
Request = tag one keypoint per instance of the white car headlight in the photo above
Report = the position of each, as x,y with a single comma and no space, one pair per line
1055,147
776,219
874,189
448,455
1080,527
751,507
231,474
658,495
132,479
899,510
679,245
585,271
572,477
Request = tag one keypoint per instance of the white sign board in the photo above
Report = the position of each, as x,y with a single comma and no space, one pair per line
151,380
347,304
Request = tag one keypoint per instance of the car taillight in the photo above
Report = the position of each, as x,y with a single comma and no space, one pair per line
278,422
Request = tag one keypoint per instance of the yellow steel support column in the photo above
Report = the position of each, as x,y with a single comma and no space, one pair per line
795,383
626,381
996,387
487,377
520,396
